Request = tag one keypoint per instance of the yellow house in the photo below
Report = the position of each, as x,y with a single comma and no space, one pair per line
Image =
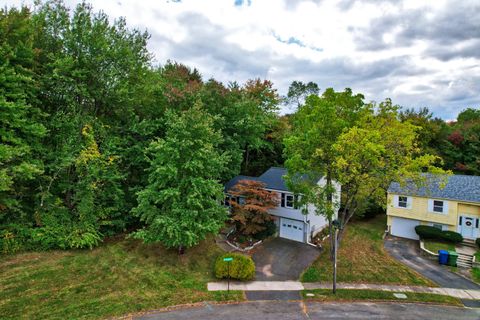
455,207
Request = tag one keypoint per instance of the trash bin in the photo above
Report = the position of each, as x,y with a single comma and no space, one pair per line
452,258
442,256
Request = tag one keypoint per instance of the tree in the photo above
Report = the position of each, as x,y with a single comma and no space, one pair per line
251,211
432,132
21,129
299,91
462,150
182,202
339,137
309,146
379,149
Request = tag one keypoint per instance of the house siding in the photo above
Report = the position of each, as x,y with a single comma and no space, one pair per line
419,211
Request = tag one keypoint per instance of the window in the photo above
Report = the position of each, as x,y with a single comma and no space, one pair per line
438,226
402,202
289,201
437,206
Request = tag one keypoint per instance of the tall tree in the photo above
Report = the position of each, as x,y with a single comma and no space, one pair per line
299,91
309,147
462,152
21,130
182,202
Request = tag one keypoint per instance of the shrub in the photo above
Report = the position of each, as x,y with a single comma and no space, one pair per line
452,236
477,241
241,268
270,229
429,232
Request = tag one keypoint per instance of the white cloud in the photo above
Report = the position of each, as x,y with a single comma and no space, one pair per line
419,53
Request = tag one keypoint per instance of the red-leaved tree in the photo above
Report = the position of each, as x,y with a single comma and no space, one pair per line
250,212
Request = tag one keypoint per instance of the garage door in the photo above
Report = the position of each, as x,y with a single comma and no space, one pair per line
292,229
404,228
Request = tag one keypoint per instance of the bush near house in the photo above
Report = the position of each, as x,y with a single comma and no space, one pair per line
429,232
477,241
241,267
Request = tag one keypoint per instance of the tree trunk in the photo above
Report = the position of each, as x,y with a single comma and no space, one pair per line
181,250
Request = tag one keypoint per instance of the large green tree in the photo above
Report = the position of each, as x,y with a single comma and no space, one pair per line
21,129
181,204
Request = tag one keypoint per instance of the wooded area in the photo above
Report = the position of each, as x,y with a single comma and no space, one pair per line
97,140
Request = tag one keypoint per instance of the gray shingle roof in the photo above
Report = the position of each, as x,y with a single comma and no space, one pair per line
229,185
458,187
273,179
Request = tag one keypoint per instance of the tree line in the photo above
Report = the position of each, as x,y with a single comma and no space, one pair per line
98,140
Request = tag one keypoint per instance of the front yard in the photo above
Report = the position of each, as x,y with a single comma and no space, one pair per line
119,277
434,246
362,259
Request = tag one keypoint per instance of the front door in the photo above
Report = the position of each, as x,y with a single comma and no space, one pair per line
468,226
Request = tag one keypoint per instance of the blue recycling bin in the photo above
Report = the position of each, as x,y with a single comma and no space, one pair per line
442,256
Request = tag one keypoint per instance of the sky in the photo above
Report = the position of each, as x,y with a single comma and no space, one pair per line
418,53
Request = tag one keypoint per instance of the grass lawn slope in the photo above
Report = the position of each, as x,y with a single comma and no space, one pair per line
362,259
117,278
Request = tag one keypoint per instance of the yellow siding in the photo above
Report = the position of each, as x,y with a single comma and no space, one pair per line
468,209
419,211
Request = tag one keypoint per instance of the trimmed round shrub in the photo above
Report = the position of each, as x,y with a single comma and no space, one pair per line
452,236
241,268
429,232
477,241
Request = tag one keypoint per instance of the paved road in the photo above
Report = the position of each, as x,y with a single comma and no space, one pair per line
292,310
281,259
407,252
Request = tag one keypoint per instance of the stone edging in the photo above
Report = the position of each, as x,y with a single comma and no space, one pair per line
238,248
422,247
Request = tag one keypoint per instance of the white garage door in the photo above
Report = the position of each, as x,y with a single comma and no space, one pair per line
292,229
404,228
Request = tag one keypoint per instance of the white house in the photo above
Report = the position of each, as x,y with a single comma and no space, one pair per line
291,222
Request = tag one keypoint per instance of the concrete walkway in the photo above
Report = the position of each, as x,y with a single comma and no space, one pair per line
296,286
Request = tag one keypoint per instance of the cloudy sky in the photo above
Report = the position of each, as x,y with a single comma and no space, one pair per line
419,53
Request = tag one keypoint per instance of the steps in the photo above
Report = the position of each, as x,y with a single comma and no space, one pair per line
469,243
464,260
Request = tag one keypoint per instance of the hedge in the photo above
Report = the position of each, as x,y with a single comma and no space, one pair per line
241,268
477,241
429,232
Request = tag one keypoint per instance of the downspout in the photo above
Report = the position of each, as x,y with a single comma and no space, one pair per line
307,222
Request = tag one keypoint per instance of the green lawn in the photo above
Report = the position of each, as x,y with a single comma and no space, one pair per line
374,295
117,278
476,271
434,246
362,259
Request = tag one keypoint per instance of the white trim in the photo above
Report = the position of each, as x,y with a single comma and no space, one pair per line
396,199
444,206
293,200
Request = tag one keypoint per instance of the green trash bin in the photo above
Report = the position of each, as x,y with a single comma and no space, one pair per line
452,258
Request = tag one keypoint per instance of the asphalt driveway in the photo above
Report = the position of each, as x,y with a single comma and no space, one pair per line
407,252
281,259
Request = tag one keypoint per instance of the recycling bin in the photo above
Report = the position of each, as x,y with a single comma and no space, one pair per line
442,256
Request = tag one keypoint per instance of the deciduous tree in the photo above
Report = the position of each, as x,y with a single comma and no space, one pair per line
251,211
181,204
